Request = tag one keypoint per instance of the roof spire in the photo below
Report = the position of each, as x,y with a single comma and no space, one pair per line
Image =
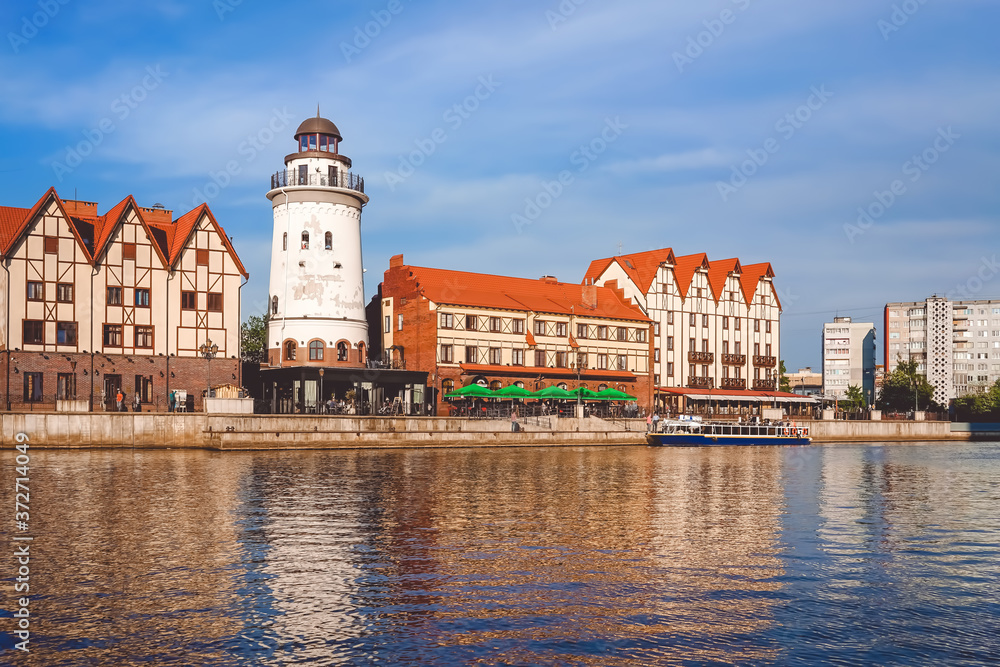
317,109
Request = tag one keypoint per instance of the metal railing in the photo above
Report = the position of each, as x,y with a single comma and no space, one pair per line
291,177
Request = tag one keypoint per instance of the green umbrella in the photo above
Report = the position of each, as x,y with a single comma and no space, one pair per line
587,394
554,392
471,391
611,394
513,391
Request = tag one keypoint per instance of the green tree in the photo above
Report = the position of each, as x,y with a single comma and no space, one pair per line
899,387
980,406
784,384
253,339
855,399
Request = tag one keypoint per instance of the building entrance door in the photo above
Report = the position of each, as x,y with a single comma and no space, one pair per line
112,383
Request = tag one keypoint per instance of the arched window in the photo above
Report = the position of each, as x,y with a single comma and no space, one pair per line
305,240
496,384
562,385
284,241
316,350
274,305
362,357
447,386
290,348
328,243
341,351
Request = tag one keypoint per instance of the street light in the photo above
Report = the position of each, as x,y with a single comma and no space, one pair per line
580,365
208,350
321,401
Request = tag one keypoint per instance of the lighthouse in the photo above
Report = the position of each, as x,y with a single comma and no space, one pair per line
317,296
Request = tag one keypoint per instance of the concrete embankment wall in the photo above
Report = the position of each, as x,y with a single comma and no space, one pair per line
266,432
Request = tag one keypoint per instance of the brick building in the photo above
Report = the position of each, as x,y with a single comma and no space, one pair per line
463,328
94,303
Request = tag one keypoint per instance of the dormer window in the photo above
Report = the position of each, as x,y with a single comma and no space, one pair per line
305,240
328,242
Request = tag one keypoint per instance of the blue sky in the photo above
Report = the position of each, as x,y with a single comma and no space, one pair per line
821,107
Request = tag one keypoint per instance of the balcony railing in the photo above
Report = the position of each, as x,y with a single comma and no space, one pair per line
765,385
734,359
291,177
697,381
760,360
701,357
734,383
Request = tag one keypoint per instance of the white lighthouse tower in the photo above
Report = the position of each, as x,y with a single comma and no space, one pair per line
317,295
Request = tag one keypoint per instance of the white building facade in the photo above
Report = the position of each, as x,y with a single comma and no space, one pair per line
848,358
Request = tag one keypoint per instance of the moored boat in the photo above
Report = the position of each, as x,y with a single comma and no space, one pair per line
691,433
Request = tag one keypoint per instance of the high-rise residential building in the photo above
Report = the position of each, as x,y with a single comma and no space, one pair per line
956,344
848,358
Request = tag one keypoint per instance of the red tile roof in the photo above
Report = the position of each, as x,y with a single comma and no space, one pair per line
719,270
752,273
641,267
11,220
684,270
482,290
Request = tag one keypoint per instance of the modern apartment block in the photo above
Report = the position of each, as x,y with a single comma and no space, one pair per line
848,358
956,344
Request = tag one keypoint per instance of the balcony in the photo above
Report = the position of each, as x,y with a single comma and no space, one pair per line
290,177
734,359
734,383
701,382
767,362
701,357
765,385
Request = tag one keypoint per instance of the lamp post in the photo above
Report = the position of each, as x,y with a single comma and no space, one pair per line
321,401
208,350
580,365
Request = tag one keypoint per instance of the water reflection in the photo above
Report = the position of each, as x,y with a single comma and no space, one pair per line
610,556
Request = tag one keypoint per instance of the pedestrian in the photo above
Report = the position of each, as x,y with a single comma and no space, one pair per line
136,403
173,402
656,422
649,423
119,397
514,426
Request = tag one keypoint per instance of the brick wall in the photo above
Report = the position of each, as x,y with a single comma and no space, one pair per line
167,374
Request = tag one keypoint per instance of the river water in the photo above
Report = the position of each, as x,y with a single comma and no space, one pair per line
829,554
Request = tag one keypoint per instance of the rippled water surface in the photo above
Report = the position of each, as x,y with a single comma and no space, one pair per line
836,554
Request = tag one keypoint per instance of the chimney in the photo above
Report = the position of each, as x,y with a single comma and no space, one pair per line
395,261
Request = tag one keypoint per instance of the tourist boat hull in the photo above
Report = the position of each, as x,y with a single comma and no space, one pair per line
686,432
705,440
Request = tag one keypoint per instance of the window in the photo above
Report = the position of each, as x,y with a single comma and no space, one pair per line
539,327
691,370
144,388
540,358
65,386
496,356
66,333
602,332
602,362
670,342
656,328
305,240
341,351
113,335
756,349
582,360
446,321
447,386
622,362
284,241
561,359
640,335
767,326
51,245
34,332
316,350
581,330
767,350
274,305
142,298
471,323
114,296
670,369
621,334
725,322
189,301
704,345
388,324
32,387
725,347
128,251
446,355
214,302
471,354
670,317
517,326
328,241
517,357
290,349
704,320
64,292
694,319
399,322
495,324
656,354
36,291
561,329
736,323
756,325
201,258
691,347
144,337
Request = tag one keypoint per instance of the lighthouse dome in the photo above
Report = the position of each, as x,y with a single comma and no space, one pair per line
318,125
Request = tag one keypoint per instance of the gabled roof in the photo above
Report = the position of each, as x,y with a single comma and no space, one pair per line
640,267
184,227
684,270
14,222
719,270
750,278
480,290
